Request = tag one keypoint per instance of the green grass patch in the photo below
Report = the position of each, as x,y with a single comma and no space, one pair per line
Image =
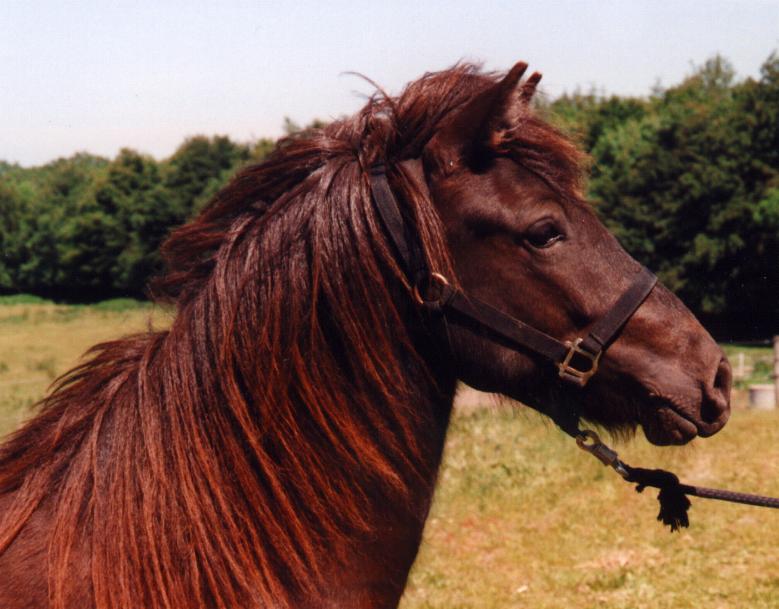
118,305
112,304
20,299
18,312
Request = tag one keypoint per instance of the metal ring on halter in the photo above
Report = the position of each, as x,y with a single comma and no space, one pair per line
432,279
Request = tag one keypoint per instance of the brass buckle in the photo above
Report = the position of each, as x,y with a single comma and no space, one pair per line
569,373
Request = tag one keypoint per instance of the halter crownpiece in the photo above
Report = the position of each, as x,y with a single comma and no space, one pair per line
576,361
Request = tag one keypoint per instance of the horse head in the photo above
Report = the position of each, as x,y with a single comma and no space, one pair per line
522,238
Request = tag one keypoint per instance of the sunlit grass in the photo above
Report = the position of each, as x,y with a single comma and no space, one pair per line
521,517
40,341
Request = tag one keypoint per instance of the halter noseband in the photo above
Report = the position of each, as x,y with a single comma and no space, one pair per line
576,361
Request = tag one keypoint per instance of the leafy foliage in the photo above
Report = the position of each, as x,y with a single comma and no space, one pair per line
86,228
687,180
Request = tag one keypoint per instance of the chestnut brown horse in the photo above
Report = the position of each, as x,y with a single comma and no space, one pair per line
278,445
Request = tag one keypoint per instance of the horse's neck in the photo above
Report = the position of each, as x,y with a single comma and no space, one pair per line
375,574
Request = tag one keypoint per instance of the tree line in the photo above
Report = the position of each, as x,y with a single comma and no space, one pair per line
686,177
688,180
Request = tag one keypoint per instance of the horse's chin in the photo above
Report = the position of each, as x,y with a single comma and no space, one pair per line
664,425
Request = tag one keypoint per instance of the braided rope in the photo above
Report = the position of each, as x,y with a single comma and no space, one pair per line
723,495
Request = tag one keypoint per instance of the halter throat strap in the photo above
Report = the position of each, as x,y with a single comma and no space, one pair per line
577,360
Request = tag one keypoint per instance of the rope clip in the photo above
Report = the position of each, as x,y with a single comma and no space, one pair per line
590,442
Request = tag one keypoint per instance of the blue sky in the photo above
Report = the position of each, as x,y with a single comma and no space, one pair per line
99,75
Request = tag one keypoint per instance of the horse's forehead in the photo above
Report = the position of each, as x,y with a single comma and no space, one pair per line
507,184
510,174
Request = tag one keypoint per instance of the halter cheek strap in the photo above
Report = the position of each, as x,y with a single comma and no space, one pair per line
577,361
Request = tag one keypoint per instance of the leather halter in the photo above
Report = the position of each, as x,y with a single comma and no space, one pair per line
576,361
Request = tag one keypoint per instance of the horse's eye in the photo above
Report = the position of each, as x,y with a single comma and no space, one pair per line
543,233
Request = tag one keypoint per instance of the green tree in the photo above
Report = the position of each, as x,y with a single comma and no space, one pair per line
683,184
200,167
48,196
129,215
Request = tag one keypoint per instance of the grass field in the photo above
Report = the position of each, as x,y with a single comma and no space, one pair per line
521,517
40,340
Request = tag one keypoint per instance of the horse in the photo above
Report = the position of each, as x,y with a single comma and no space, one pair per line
277,446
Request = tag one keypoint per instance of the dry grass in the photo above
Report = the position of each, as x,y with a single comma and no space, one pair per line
521,517
524,519
38,342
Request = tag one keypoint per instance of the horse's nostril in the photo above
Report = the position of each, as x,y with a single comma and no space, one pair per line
710,411
723,379
716,401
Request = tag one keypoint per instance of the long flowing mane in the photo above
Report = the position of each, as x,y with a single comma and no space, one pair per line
206,464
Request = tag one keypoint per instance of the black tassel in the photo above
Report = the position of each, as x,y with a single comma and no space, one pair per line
673,502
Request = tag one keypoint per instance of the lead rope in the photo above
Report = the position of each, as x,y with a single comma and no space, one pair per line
673,499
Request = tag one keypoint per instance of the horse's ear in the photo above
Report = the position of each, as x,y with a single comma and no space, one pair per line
477,128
